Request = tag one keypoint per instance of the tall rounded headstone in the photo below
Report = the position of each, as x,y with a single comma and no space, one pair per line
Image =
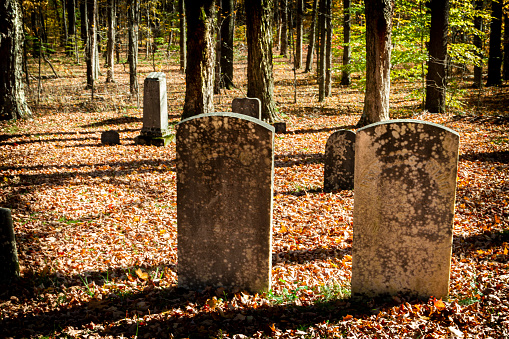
339,164
224,201
405,186
9,265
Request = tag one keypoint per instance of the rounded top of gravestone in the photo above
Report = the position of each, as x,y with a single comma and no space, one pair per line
408,121
231,115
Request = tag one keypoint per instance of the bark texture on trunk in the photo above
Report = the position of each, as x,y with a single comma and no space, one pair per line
284,27
91,48
200,58
110,48
347,54
378,61
9,264
260,80
478,24
183,36
312,40
506,47
133,13
495,57
298,42
13,103
436,79
227,32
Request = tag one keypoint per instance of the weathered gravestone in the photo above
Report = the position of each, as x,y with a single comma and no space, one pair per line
9,265
110,138
405,186
155,129
339,161
248,106
224,201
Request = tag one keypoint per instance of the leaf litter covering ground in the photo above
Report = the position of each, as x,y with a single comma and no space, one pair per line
96,225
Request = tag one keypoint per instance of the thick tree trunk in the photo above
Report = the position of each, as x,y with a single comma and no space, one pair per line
347,54
506,47
9,264
284,27
13,104
478,24
183,35
436,79
312,40
84,22
298,43
110,48
495,56
378,61
133,13
200,58
227,32
260,80
91,48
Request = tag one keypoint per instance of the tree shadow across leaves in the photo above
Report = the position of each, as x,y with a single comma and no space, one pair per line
320,130
289,160
499,156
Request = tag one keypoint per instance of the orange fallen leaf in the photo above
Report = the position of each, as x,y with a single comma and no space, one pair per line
141,274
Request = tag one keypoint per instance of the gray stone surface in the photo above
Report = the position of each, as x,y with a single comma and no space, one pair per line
155,129
405,187
110,138
248,106
339,163
225,171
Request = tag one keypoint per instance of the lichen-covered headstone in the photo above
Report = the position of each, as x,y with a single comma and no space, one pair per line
248,106
9,264
339,161
155,129
405,187
224,201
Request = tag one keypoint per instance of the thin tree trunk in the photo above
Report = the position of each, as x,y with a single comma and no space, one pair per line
227,32
13,103
298,44
378,57
217,68
347,54
200,17
260,80
110,48
312,40
478,25
328,49
64,22
436,80
322,38
71,27
284,27
132,56
183,36
495,56
91,44
506,47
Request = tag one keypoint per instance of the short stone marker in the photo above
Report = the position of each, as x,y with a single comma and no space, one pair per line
225,165
248,106
110,138
9,264
339,164
405,187
155,129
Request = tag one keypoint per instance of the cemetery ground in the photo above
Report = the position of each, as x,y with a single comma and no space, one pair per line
96,225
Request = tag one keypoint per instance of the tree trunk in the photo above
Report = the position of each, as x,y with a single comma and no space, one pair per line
378,61
110,49
284,27
311,43
84,22
71,27
91,48
347,54
9,264
227,32
13,104
478,25
260,80
506,47
200,58
65,28
298,44
322,38
133,13
495,56
328,48
183,43
436,79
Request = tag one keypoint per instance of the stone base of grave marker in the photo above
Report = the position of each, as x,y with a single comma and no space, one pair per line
9,264
339,161
155,129
405,186
110,138
279,127
248,106
224,202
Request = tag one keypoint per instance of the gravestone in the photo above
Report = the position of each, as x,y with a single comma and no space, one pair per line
110,138
248,106
9,264
155,129
405,186
225,167
339,161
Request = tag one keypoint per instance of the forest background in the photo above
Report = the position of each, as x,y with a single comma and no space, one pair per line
96,225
